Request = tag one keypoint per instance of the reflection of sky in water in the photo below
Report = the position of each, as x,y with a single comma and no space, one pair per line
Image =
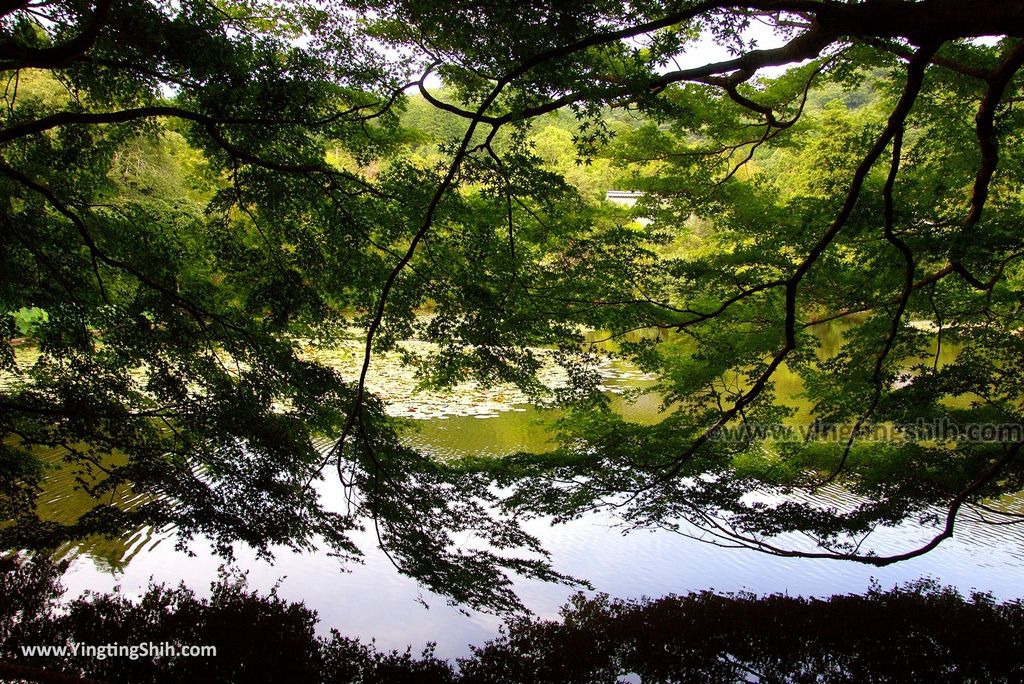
374,601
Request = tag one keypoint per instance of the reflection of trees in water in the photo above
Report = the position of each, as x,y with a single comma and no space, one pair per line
920,632
65,498
113,554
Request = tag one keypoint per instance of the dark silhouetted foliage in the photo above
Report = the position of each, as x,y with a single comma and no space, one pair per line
920,632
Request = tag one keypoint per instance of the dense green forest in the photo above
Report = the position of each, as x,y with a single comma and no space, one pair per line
196,196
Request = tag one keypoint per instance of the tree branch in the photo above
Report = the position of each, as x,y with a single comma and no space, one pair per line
14,56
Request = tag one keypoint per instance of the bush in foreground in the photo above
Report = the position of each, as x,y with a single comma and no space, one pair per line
919,632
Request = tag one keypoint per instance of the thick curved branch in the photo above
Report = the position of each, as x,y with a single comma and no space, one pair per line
988,144
921,22
901,306
952,511
59,119
805,46
985,131
210,124
14,56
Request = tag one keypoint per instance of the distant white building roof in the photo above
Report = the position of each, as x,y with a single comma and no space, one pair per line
618,195
626,198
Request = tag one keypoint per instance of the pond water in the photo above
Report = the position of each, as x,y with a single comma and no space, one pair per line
373,601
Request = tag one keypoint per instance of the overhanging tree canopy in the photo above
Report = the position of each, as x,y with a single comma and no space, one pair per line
175,293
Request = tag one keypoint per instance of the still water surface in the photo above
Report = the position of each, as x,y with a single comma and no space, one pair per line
373,601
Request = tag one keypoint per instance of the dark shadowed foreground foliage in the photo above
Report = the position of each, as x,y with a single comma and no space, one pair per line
920,632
